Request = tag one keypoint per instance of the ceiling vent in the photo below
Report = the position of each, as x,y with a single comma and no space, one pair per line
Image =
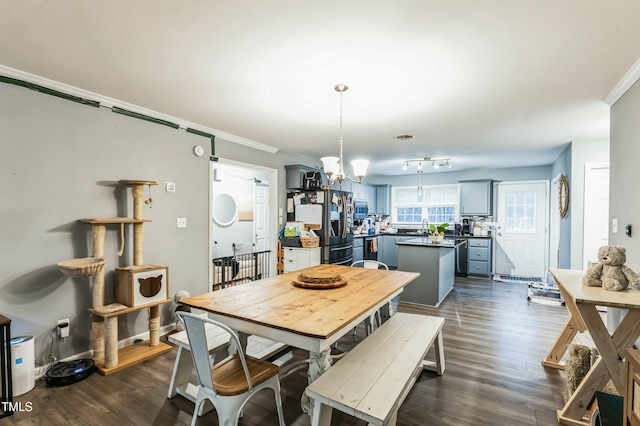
404,137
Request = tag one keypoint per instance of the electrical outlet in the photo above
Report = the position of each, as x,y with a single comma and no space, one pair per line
182,222
63,327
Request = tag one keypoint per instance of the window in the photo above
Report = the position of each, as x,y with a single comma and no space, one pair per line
438,204
520,212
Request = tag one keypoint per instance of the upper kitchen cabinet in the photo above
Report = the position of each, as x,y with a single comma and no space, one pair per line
476,197
297,175
346,185
366,192
383,199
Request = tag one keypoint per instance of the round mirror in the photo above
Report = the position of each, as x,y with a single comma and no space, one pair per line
225,209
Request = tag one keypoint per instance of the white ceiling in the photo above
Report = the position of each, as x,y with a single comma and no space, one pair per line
485,83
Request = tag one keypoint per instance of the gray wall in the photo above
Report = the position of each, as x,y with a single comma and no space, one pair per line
60,162
624,201
562,165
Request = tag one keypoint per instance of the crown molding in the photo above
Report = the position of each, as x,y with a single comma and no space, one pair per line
107,102
624,84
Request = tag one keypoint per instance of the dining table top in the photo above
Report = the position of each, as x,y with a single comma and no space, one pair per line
571,281
275,302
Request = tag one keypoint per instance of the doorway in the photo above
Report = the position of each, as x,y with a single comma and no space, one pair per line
521,229
254,189
596,211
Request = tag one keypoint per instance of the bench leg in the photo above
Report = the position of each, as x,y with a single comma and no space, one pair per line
438,365
439,347
181,372
393,419
321,415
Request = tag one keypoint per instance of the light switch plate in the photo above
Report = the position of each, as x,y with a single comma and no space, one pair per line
169,187
614,226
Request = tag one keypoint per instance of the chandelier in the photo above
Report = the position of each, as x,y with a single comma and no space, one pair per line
333,166
436,163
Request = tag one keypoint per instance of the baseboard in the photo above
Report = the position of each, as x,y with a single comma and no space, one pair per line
41,370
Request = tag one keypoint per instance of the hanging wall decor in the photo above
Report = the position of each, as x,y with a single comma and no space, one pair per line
563,194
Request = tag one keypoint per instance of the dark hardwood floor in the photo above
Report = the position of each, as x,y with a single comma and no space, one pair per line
494,340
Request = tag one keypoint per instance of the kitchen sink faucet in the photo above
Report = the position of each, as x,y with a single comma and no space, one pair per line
424,228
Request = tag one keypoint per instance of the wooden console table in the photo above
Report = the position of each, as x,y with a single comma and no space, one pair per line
581,301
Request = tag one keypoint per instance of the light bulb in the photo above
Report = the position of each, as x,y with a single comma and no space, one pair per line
448,164
435,165
405,166
420,165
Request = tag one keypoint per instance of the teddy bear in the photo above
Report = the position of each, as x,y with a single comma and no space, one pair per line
611,273
181,308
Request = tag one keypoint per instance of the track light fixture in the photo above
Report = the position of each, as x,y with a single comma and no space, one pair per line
435,163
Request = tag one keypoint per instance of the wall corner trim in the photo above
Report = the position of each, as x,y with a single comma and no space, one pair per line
111,103
624,84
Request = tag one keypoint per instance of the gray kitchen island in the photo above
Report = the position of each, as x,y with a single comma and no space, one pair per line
435,261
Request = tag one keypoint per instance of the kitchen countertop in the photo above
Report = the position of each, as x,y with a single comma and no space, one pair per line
425,242
415,234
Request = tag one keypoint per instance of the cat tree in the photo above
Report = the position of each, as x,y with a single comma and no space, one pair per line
140,286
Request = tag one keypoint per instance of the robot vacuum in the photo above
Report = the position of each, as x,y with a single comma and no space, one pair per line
69,372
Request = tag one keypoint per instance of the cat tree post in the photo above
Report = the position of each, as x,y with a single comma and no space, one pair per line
138,257
97,325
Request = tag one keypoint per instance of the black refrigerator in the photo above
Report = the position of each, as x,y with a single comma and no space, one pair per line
333,210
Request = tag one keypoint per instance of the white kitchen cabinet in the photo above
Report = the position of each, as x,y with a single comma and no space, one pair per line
300,258
476,197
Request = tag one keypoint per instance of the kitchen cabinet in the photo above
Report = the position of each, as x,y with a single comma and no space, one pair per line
295,176
388,250
383,199
367,193
358,249
299,258
476,197
346,185
479,256
436,265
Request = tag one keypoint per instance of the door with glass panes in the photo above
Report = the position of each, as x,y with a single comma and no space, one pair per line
521,229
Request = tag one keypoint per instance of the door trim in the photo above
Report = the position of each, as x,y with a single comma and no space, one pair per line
273,212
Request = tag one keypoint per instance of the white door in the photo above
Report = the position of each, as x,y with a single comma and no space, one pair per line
521,229
261,216
596,211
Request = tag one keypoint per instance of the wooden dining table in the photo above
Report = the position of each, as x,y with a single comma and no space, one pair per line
582,302
304,318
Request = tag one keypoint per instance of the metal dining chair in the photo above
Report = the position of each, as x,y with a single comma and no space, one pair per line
374,318
230,383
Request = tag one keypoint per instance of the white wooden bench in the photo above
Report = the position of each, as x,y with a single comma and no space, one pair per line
373,379
217,342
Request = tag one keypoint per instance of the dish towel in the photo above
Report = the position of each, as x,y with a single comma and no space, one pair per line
373,246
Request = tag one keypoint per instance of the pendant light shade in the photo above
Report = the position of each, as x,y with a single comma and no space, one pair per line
331,166
360,168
